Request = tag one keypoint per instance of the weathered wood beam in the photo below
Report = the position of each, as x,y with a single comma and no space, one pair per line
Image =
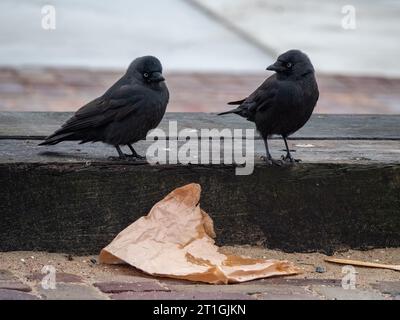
310,151
79,208
71,198
321,126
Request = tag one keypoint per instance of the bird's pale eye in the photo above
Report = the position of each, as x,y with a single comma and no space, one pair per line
289,65
146,75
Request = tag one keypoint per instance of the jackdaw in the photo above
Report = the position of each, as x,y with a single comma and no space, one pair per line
124,114
284,102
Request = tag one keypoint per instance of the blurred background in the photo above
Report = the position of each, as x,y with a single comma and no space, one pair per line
58,55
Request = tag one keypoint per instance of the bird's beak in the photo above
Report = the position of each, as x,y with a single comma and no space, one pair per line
156,77
275,67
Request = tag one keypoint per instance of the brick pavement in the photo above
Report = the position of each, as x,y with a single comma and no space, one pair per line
49,89
72,287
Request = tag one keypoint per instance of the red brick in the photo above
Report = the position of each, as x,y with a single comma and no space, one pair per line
16,295
6,275
288,297
15,285
388,287
60,277
159,295
68,291
297,282
116,287
61,89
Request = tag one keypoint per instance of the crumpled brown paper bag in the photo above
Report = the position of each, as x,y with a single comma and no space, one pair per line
176,240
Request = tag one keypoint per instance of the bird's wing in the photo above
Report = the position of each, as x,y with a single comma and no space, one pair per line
112,106
261,99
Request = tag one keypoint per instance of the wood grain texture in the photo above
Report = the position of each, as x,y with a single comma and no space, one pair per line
71,198
310,151
79,208
37,125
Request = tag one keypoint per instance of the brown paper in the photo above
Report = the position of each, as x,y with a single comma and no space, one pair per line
176,240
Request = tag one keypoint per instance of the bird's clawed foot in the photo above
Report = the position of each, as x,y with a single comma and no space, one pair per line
127,157
134,154
115,158
271,162
288,159
135,157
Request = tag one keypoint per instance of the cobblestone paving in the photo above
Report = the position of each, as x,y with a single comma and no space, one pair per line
46,89
126,283
156,289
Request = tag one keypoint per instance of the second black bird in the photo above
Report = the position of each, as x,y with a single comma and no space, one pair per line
124,114
284,102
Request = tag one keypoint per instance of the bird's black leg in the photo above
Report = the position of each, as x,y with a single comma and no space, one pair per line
268,159
288,157
135,154
122,156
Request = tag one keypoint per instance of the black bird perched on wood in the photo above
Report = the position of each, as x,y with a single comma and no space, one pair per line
124,114
284,102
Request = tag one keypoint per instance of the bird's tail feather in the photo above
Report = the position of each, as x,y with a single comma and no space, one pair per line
56,138
237,102
228,112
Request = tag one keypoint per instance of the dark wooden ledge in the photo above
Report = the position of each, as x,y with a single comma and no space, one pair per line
71,198
322,126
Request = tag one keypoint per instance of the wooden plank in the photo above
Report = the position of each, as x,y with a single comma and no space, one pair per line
371,127
310,151
71,198
79,208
